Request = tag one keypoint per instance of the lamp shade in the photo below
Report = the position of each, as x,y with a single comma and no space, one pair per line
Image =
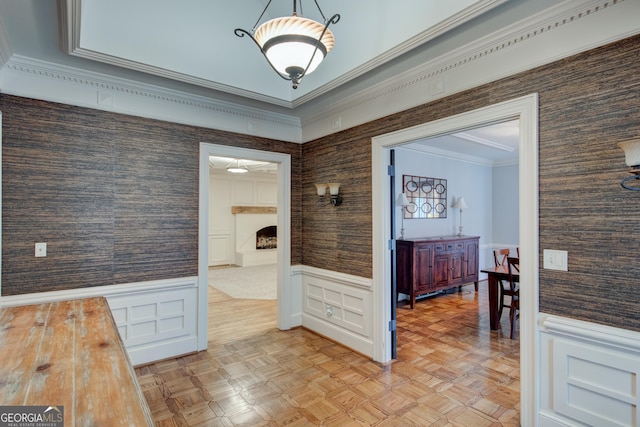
334,188
631,152
321,189
460,203
290,44
402,200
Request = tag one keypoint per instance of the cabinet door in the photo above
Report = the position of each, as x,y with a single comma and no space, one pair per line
404,267
441,269
456,268
424,260
471,257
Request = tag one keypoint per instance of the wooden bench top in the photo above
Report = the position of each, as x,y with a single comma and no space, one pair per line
69,354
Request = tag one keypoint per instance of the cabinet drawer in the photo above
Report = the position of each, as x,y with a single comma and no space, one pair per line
449,246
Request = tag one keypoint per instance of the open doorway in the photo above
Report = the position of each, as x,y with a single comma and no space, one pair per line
283,255
524,109
243,239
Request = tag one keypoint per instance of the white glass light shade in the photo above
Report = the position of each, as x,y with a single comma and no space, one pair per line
237,168
631,152
402,200
460,203
289,43
321,189
334,188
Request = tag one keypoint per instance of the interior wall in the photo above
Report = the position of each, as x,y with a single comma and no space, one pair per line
114,196
506,218
469,180
588,103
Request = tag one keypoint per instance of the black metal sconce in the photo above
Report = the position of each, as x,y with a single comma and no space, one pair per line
335,199
632,157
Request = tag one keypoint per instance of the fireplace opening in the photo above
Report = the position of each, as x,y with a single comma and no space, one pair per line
267,237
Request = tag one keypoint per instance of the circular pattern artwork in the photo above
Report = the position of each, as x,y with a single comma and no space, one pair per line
427,197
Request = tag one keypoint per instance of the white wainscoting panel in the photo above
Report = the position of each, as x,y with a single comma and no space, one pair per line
589,373
156,325
220,252
338,306
156,320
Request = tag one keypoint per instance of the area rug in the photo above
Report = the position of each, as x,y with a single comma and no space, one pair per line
257,282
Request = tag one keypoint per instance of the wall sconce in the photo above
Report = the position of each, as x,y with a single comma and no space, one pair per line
335,199
460,204
632,157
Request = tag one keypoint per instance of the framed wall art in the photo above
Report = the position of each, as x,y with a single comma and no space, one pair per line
427,197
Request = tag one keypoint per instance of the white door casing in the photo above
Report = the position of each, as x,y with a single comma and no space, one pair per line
526,110
285,303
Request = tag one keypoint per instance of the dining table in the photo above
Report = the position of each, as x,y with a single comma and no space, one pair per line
495,275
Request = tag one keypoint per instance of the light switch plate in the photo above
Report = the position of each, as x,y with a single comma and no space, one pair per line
555,260
41,249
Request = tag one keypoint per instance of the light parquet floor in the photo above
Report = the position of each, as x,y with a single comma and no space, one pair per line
450,371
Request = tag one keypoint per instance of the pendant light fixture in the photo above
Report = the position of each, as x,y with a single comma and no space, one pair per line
236,167
293,46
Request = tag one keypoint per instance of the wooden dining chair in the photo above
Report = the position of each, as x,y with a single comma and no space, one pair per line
513,291
500,258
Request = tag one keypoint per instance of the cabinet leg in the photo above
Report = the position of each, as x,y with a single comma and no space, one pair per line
475,285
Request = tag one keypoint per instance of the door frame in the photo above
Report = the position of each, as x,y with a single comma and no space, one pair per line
284,291
526,110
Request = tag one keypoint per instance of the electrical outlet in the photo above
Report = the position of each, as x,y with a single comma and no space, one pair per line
41,249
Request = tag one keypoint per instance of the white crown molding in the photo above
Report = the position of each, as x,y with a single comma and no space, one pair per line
483,141
95,90
446,154
571,27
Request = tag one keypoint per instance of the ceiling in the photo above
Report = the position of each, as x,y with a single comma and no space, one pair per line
494,145
196,43
190,47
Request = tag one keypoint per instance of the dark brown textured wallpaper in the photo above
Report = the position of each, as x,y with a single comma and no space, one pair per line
114,196
588,103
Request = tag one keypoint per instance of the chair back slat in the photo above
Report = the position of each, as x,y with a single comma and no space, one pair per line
514,267
500,257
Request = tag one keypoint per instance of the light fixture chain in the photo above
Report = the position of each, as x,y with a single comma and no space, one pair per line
318,6
253,30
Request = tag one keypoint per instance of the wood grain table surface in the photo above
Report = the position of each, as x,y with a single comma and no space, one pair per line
69,354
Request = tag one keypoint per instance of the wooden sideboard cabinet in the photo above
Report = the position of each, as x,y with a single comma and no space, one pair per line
429,264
